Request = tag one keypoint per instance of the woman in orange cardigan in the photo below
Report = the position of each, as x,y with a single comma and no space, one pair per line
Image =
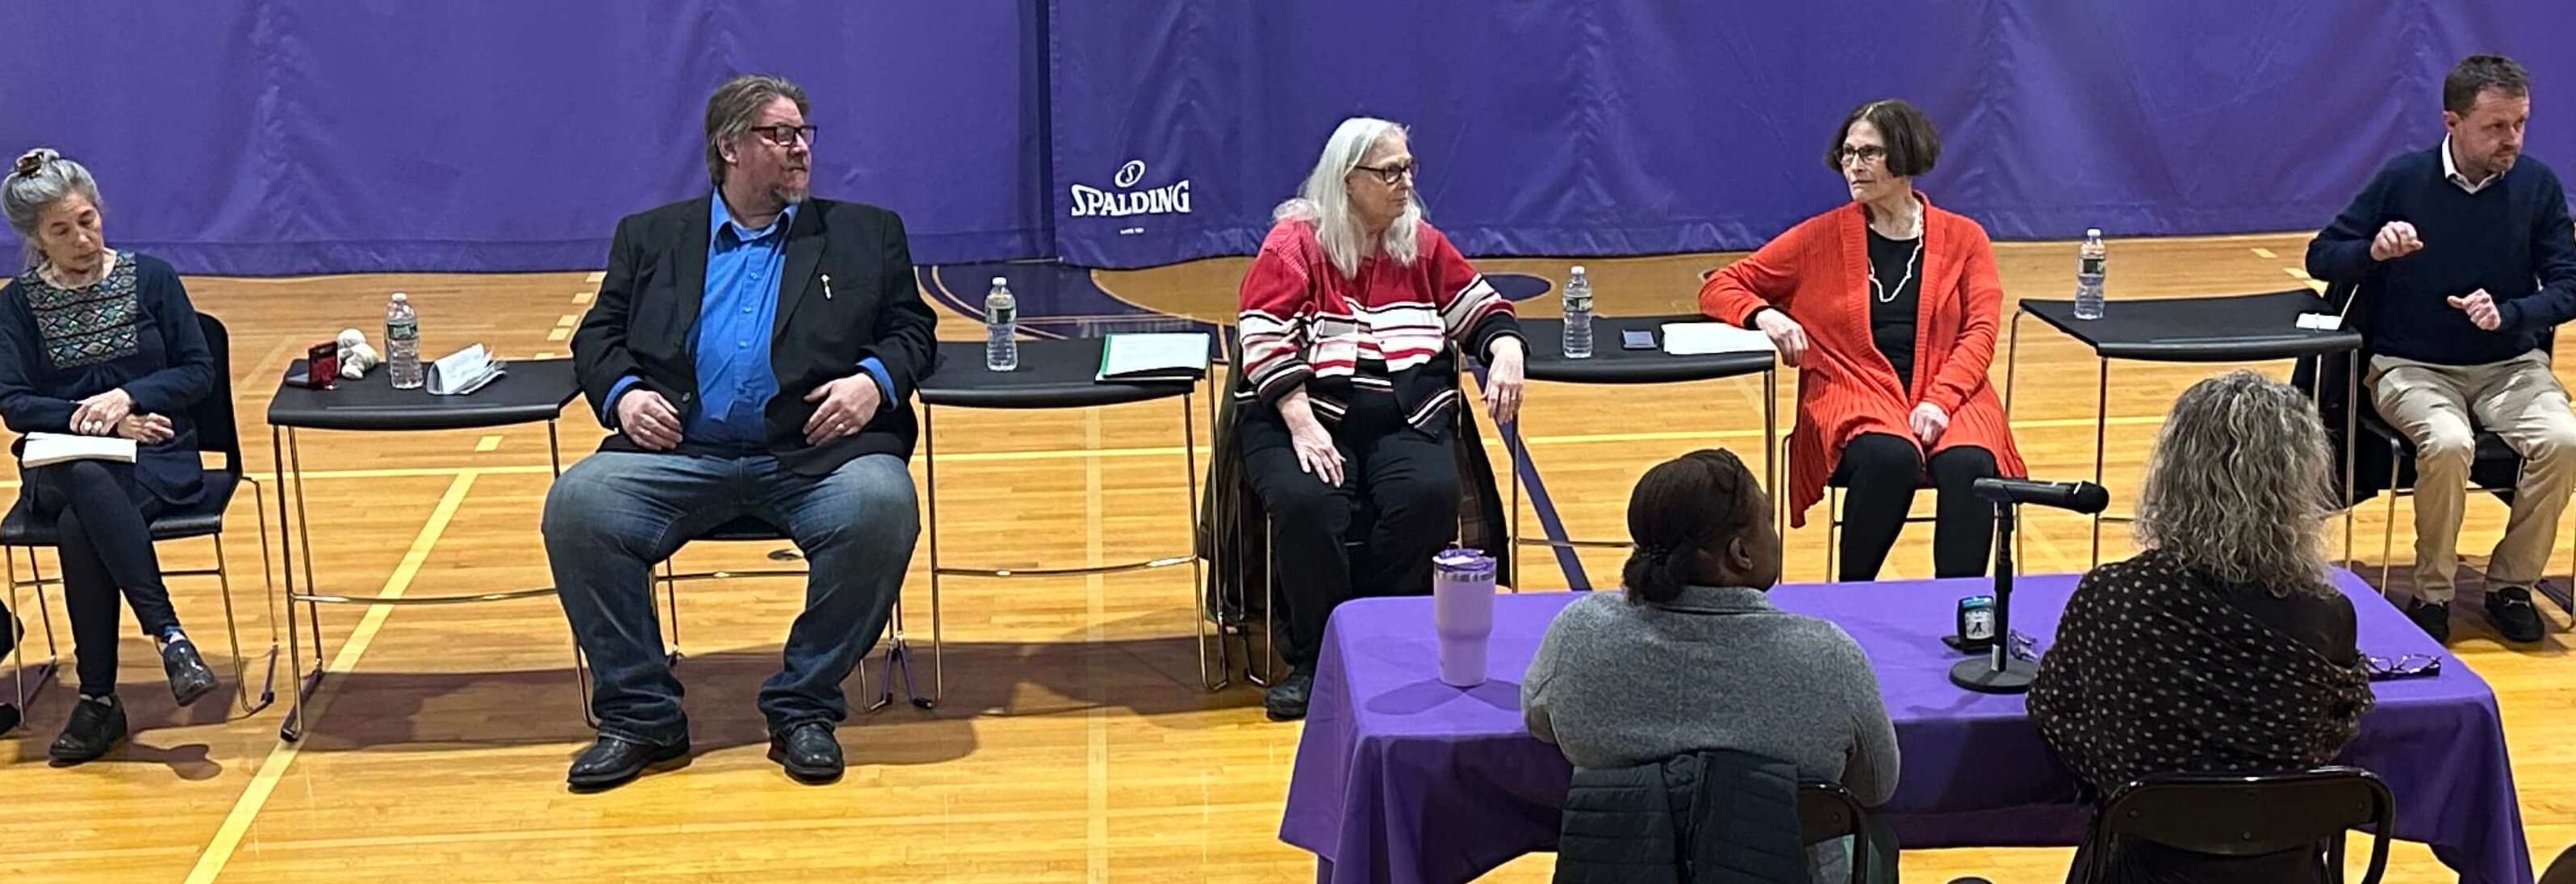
1888,309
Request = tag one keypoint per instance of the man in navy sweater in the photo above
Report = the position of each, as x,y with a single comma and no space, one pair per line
2466,257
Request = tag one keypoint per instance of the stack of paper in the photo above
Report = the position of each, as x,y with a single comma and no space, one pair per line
1175,356
1710,338
47,449
463,371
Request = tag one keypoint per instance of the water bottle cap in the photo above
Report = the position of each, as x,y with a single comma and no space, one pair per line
400,298
2092,233
1578,270
1001,281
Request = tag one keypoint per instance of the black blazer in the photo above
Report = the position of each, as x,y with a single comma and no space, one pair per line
644,322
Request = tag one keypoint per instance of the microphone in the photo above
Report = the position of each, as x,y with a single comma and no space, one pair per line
2082,497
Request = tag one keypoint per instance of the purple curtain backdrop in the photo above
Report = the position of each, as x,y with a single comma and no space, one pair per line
274,137
1582,127
269,137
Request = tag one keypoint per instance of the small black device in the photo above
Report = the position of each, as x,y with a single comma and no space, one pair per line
1976,627
1637,339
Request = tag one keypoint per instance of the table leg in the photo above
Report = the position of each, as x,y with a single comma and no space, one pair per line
286,451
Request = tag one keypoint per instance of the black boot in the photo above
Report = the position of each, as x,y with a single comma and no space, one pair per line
1286,700
97,725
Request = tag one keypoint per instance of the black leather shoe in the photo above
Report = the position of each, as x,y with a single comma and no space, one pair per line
808,751
613,761
190,680
2432,617
2510,610
96,727
1286,700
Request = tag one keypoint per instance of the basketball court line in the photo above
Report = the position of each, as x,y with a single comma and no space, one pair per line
219,851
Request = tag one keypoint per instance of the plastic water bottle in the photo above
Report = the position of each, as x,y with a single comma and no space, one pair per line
1001,327
2091,261
1578,315
402,343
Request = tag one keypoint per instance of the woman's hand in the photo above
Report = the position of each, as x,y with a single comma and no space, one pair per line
149,429
1503,375
102,414
1928,422
1313,444
1787,336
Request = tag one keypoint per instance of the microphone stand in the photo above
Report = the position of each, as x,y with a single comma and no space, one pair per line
1999,672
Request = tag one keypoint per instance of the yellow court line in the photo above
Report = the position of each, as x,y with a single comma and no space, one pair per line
560,332
2264,253
596,276
488,443
228,837
569,320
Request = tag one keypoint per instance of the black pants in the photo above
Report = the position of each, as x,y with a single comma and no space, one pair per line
1880,473
1406,477
101,519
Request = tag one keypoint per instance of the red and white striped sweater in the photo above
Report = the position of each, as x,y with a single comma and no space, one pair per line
1302,321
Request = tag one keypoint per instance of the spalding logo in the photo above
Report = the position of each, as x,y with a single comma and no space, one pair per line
1169,199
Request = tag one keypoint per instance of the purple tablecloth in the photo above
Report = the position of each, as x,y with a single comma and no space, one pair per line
1404,780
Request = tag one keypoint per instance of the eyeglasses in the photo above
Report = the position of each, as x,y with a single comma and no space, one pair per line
2409,666
1867,154
1393,174
2023,647
785,135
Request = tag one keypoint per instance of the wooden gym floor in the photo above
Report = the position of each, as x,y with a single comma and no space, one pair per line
1074,742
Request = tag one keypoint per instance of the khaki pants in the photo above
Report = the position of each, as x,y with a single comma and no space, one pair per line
2440,408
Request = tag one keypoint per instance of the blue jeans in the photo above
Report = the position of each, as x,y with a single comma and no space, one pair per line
614,515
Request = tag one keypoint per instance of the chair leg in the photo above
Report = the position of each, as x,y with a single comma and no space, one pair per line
2388,531
232,641
1833,528
23,697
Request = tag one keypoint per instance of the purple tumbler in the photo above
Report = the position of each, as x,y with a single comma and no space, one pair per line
1462,609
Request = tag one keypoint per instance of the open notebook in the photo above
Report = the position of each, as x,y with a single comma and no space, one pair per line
1160,356
47,449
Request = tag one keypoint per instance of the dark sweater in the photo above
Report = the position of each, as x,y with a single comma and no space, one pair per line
2511,238
134,329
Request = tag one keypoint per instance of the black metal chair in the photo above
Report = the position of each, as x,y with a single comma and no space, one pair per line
749,529
216,435
2494,467
1827,811
2244,815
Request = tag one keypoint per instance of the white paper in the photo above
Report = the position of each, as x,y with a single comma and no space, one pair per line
462,372
1708,338
47,449
1164,353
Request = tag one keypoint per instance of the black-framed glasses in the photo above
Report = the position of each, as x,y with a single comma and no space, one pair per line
1394,173
1867,154
2408,666
785,135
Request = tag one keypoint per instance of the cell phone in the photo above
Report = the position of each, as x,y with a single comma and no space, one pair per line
1637,339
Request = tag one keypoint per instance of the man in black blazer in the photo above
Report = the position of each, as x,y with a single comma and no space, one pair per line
754,351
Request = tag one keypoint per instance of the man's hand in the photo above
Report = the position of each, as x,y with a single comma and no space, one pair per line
2481,309
649,419
848,405
2395,240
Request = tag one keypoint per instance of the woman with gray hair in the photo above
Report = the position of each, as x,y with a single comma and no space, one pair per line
1347,385
99,342
2224,646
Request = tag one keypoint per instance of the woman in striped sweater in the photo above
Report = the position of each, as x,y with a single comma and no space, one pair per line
1348,315
1888,309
